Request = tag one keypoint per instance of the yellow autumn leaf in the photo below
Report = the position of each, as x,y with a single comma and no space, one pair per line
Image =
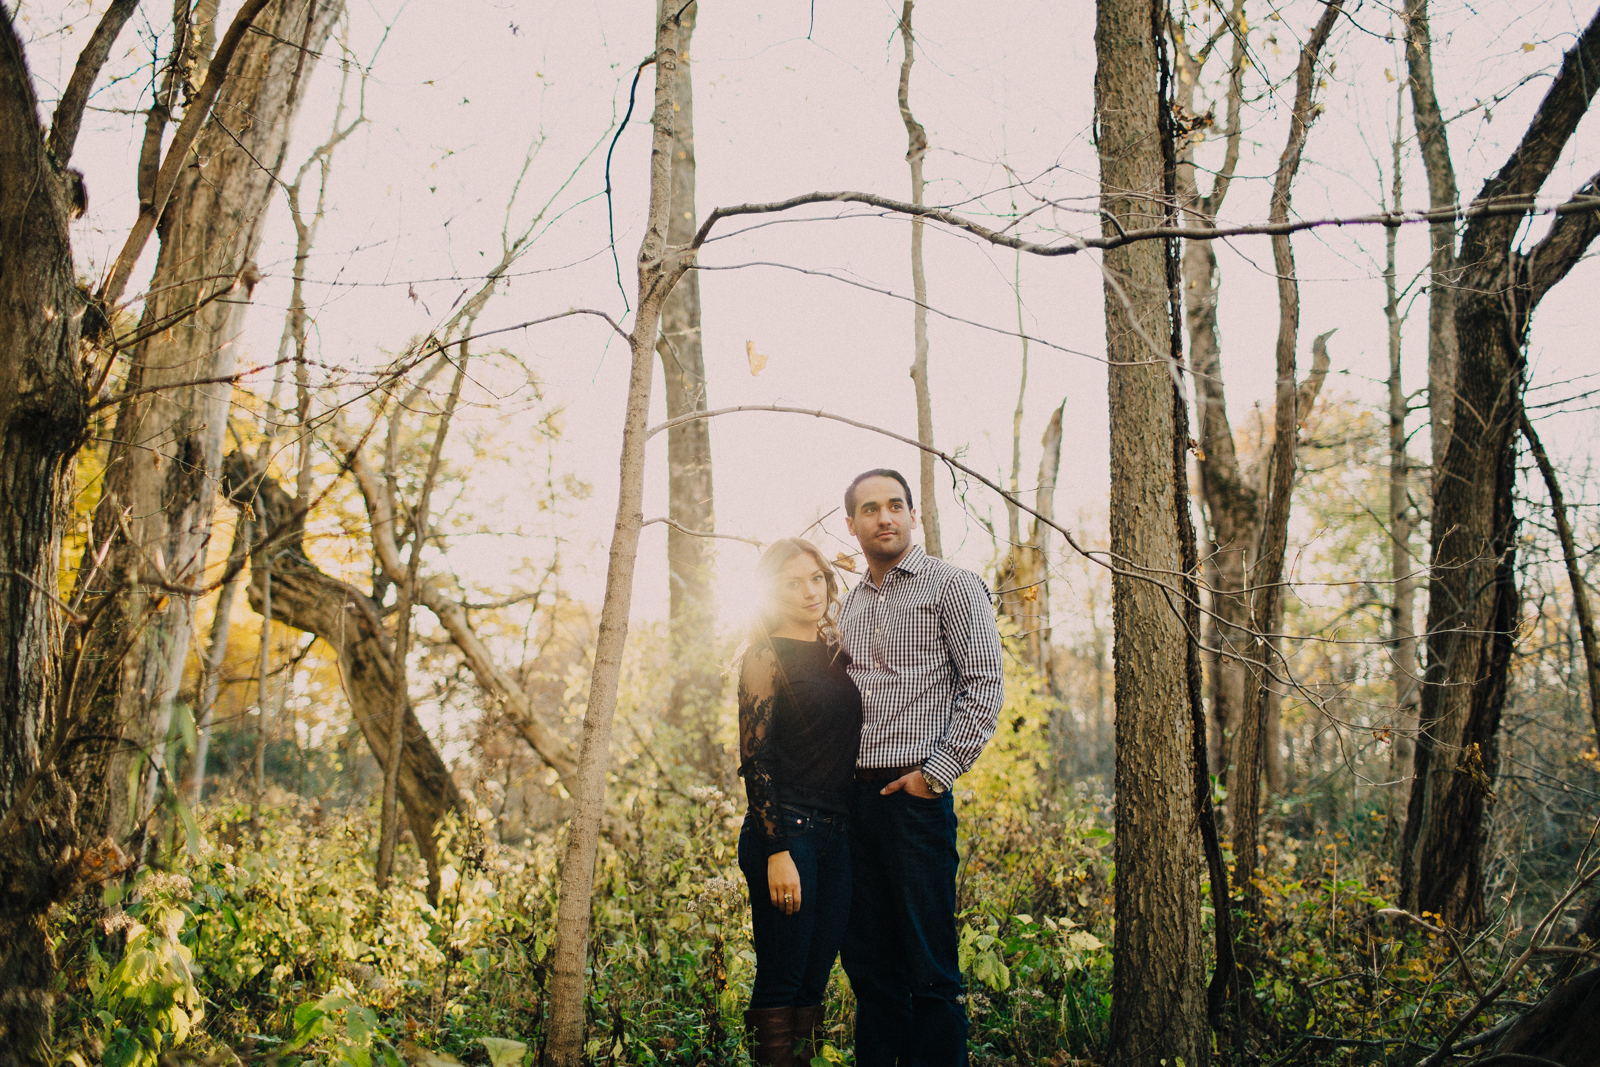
1388,75
845,563
758,362
1528,46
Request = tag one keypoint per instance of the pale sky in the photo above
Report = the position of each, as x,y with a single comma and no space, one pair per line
791,98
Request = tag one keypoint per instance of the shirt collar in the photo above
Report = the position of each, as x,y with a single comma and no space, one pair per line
912,562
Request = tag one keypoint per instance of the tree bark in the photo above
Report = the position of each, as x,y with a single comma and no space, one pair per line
351,624
161,476
1266,594
916,152
1473,599
692,614
660,267
1158,1003
44,859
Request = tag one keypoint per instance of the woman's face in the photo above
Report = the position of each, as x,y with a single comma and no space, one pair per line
802,591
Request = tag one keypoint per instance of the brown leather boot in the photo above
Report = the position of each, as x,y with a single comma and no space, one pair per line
808,1031
772,1036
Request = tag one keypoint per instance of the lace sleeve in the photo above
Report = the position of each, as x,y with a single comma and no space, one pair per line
756,741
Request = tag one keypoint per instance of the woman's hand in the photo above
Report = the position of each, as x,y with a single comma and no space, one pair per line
783,883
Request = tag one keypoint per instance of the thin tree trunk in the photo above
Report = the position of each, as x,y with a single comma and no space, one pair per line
263,665
1231,502
692,614
659,269
917,151
1158,1005
420,519
161,476
210,685
1434,141
1402,560
1472,596
1267,571
1569,553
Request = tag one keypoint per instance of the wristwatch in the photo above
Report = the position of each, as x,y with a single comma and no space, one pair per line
936,787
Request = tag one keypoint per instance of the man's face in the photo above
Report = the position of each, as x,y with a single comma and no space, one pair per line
882,522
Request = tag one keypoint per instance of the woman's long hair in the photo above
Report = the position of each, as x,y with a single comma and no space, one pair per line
769,613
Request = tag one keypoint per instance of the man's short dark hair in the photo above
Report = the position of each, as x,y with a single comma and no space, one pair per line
876,472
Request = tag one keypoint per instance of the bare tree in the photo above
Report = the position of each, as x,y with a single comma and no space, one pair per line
1234,493
1402,512
1472,593
1023,580
160,484
1266,578
916,154
692,614
1158,1003
660,267
351,623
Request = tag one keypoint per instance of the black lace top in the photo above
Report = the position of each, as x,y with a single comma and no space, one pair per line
799,730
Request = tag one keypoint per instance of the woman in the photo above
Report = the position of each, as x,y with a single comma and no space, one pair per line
799,730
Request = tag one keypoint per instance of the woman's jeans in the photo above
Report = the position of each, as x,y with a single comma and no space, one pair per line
795,953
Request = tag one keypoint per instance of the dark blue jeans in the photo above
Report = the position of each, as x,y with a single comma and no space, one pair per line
795,953
901,952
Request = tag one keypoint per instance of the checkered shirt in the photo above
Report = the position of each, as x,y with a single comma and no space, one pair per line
926,657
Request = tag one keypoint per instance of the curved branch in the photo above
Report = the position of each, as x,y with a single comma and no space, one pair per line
68,117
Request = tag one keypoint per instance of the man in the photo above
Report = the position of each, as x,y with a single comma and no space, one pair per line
926,658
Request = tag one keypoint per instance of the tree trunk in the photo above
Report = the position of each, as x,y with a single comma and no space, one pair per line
1158,1003
1434,141
1472,597
917,140
161,477
43,419
1023,582
1266,596
659,269
351,624
1231,502
210,682
1402,561
694,702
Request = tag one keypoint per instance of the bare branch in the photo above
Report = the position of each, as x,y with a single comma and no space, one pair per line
68,117
177,153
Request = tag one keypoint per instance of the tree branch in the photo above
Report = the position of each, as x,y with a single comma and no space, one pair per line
1515,206
68,116
1569,552
1525,171
1550,260
177,154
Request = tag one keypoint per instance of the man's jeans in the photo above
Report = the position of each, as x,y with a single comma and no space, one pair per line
795,953
901,949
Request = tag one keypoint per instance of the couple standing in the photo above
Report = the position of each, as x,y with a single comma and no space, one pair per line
855,719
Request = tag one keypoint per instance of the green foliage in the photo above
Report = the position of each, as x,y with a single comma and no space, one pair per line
147,1001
